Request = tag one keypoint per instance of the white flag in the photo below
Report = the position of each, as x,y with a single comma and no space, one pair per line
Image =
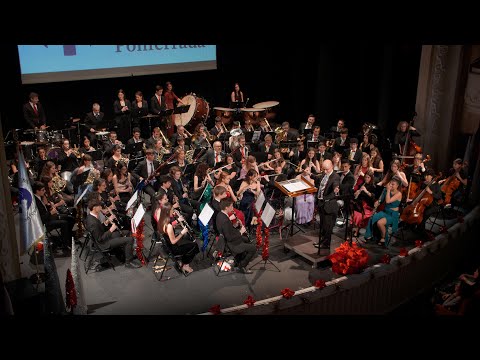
31,227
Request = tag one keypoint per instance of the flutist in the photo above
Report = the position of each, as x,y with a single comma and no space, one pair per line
108,236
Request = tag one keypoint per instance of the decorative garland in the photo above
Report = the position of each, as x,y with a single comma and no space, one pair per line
287,293
249,301
139,235
70,292
215,309
418,243
385,259
266,242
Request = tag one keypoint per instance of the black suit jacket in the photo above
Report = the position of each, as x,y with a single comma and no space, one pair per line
99,232
141,169
262,148
209,157
347,183
34,120
42,209
138,112
117,109
329,201
231,234
326,155
91,121
155,107
237,156
340,148
357,158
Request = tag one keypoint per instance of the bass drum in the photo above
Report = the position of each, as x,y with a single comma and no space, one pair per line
53,153
197,112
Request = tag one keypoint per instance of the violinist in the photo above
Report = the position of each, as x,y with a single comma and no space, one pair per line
394,171
363,203
401,135
433,188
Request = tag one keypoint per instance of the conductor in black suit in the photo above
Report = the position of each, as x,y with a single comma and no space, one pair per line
145,169
109,237
92,121
242,249
328,189
33,112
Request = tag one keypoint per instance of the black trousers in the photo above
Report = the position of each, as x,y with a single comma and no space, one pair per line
244,253
188,249
328,222
125,241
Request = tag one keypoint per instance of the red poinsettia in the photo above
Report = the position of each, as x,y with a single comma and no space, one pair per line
320,284
258,233
70,292
215,309
385,259
418,243
287,293
39,246
139,235
348,259
249,301
266,244
403,252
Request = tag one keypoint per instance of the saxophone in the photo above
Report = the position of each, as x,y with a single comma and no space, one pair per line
92,175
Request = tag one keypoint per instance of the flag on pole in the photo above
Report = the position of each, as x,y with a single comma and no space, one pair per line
31,227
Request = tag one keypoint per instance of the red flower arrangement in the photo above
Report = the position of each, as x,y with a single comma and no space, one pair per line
403,252
287,293
70,292
385,259
258,233
39,246
249,301
348,259
418,243
215,309
320,284
139,235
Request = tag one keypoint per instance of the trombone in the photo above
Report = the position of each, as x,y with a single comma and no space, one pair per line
224,128
167,143
186,132
269,128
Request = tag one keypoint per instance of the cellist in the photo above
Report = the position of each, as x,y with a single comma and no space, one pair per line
434,190
458,176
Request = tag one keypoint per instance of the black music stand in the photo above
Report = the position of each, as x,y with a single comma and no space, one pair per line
236,104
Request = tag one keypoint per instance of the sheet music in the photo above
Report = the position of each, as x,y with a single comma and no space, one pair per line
260,201
81,196
296,185
132,200
138,215
206,214
268,214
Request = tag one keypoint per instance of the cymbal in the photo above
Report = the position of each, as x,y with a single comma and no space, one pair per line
251,109
266,104
27,143
223,109
150,116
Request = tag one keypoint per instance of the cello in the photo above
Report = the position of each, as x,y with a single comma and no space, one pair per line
413,213
412,186
448,188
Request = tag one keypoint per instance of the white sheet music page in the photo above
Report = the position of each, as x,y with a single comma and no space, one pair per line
260,201
139,215
132,200
268,214
206,214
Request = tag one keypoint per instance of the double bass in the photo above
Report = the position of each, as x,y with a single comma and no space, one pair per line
413,213
410,148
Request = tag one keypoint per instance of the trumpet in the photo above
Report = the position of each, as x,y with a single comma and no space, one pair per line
76,152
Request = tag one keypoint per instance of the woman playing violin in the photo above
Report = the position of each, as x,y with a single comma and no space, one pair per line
363,203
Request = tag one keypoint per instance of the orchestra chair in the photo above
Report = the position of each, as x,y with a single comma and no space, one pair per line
95,248
156,239
169,256
436,220
227,252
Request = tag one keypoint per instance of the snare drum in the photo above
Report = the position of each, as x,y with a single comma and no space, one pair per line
56,137
102,135
41,136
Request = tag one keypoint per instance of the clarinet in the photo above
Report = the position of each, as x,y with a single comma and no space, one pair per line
184,224
115,221
238,220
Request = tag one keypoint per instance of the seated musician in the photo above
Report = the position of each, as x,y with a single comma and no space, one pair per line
214,157
363,203
180,135
182,163
248,193
51,170
55,200
455,184
394,171
240,154
136,138
297,153
415,173
366,145
81,182
231,168
117,157
92,121
233,140
391,196
311,162
218,130
360,171
181,144
200,137
107,234
340,126
354,154
433,188
248,127
67,160
315,135
49,214
243,250
86,146
267,146
122,182
292,134
156,135
219,193
224,182
179,243
309,125
323,154
376,162
200,180
342,142
40,160
109,145
187,206
263,127
157,205
146,169
160,150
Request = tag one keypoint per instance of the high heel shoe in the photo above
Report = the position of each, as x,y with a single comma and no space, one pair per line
381,242
187,269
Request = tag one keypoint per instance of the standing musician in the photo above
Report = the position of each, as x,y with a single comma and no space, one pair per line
237,94
92,121
122,108
238,244
401,135
329,186
157,104
169,100
34,114
179,243
109,237
139,110
146,169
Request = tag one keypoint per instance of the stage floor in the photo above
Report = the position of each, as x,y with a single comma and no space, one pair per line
138,292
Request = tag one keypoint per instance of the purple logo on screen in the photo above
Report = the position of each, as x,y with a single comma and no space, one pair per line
68,50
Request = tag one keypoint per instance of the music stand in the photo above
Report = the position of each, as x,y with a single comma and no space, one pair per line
236,104
293,188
